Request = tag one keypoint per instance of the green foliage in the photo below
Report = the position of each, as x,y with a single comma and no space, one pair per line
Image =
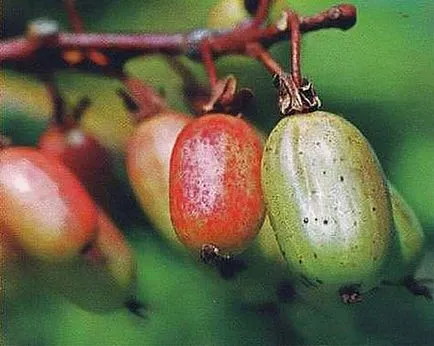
378,74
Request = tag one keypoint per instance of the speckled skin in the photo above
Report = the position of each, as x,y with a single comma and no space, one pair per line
327,200
215,186
409,245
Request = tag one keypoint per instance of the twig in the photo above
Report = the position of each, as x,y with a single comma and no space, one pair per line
208,63
73,16
57,100
295,42
261,13
255,50
26,53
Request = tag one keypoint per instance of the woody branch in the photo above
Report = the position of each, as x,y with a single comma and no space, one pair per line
36,52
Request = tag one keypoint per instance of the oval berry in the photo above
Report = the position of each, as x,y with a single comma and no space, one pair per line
46,210
328,201
409,240
214,184
148,157
226,14
82,154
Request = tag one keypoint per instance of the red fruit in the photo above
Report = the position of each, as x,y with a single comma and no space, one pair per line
215,184
82,154
45,209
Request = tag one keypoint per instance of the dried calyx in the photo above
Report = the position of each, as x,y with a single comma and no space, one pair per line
227,266
293,99
296,94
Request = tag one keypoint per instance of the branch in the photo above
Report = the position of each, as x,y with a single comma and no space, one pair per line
33,54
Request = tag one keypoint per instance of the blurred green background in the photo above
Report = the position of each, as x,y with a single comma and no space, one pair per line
379,75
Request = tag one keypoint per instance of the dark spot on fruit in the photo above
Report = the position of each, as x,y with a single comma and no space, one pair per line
317,143
316,219
315,255
374,209
300,153
341,178
323,172
325,222
300,261
306,220
375,258
355,223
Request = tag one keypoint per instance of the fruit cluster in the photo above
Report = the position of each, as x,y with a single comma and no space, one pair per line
210,184
53,230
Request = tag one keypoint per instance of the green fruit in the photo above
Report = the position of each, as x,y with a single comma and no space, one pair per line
409,243
267,245
328,202
227,14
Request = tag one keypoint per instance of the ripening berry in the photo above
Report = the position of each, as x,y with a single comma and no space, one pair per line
328,202
148,156
215,185
227,14
44,207
82,153
148,152
409,244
